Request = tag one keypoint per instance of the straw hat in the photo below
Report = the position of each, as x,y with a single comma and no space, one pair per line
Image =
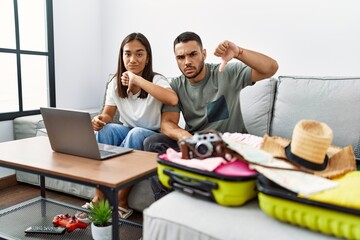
310,150
309,145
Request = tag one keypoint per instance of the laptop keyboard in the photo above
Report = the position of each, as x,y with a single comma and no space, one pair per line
105,153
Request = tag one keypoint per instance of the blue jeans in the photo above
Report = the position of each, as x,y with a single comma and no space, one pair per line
123,136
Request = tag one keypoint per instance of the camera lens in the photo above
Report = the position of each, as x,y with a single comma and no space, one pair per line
203,149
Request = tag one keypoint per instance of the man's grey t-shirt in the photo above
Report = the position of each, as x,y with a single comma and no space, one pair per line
212,103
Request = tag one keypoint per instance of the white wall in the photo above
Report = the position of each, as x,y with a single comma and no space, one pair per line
306,37
78,59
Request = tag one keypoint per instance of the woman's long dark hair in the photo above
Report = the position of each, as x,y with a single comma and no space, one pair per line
148,72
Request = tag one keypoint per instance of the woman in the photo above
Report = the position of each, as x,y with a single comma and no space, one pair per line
138,93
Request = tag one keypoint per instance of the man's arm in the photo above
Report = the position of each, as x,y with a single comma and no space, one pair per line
262,66
170,127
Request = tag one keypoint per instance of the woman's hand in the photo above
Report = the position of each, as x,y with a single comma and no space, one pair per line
129,79
98,123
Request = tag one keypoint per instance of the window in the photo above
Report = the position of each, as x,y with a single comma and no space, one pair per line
27,76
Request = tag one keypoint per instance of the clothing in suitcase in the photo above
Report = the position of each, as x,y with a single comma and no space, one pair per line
338,216
230,184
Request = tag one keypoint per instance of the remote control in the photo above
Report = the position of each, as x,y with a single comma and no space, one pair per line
45,230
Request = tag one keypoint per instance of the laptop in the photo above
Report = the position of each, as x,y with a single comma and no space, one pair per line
71,132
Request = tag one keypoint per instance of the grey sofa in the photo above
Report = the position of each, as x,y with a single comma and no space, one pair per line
272,106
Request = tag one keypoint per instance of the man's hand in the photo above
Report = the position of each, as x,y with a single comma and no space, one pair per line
98,123
227,51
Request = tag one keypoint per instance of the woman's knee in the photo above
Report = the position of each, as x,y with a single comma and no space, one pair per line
139,132
112,134
108,128
105,131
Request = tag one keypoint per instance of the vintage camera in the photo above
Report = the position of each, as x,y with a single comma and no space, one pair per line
202,145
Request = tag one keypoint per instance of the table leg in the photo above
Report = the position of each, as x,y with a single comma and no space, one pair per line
43,195
112,195
42,186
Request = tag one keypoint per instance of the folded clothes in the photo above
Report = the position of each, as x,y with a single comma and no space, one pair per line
244,138
208,164
235,168
304,184
347,194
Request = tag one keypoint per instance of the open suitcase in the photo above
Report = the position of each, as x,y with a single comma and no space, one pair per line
218,186
286,206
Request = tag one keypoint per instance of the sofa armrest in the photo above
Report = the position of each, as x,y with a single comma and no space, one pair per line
25,127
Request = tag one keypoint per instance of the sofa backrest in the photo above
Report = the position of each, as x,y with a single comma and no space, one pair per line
274,106
256,104
116,118
332,100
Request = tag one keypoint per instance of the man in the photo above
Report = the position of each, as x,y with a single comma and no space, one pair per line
208,93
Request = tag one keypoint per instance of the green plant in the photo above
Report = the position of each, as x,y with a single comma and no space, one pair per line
100,213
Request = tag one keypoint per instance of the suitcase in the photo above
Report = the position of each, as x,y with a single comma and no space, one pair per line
287,206
231,184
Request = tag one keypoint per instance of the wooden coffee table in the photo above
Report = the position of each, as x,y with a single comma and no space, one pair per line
35,155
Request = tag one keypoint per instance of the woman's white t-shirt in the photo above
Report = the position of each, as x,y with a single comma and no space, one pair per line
134,111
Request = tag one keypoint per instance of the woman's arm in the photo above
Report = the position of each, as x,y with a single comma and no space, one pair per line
164,95
99,121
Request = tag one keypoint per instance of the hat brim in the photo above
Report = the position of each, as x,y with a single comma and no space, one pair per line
305,163
341,160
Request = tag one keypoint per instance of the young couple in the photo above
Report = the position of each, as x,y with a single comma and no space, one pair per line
206,94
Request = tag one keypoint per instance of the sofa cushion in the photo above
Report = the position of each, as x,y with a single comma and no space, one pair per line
25,127
333,100
182,217
256,103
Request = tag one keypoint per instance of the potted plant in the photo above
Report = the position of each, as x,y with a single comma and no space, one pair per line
100,217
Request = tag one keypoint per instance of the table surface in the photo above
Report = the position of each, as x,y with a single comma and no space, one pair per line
35,154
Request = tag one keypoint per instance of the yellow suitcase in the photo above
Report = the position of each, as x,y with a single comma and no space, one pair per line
232,185
287,206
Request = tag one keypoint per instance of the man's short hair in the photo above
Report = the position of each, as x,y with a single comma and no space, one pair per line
186,37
